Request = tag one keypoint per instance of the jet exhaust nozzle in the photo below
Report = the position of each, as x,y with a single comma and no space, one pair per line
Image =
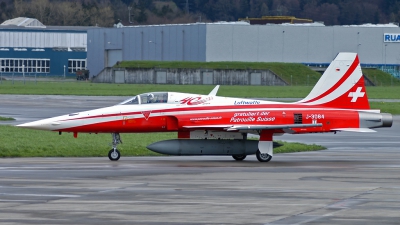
375,120
387,120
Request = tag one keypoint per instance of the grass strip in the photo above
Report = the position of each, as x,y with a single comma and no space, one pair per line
6,118
19,142
99,89
289,147
386,107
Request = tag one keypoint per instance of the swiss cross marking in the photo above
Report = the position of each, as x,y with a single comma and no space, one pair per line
355,95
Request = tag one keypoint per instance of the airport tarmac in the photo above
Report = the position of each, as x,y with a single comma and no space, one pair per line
355,181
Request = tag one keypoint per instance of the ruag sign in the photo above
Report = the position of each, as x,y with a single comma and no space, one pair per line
387,37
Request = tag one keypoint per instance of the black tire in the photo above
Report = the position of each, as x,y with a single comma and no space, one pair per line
239,157
114,156
263,157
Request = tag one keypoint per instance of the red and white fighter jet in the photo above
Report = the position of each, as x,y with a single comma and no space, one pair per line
213,125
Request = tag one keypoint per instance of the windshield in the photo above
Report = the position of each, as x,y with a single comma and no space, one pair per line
131,101
154,97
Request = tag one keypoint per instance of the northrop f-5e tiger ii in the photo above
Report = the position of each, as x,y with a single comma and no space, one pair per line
214,125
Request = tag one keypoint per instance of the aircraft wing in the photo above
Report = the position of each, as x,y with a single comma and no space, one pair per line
254,127
214,91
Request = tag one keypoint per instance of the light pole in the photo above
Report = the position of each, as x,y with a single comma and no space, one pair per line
129,16
283,44
23,72
64,71
155,48
385,58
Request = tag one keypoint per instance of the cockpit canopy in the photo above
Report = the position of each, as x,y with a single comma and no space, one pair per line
147,98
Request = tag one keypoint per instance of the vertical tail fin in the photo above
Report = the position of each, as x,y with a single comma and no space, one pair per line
341,86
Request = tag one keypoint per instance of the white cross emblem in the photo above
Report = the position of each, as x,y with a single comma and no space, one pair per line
356,95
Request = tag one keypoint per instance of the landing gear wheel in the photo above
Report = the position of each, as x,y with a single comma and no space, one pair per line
114,155
263,157
239,157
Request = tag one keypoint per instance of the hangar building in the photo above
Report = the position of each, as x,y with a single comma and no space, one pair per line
312,44
27,46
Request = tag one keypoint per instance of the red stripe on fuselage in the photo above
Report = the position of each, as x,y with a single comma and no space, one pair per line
202,108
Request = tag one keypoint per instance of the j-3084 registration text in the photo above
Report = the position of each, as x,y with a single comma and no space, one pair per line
315,116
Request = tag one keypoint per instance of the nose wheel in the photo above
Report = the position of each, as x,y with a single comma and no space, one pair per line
114,154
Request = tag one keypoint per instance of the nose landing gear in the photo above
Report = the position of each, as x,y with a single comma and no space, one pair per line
114,154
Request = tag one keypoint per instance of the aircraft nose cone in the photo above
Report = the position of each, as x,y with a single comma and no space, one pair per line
39,125
32,125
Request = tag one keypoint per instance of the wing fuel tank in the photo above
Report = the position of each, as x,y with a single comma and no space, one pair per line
206,147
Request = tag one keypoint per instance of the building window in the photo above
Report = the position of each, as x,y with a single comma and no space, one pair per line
25,65
76,64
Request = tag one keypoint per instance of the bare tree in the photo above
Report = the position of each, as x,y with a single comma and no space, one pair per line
101,16
42,10
69,14
21,8
121,11
5,10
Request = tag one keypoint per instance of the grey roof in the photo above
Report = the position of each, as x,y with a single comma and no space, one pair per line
23,22
29,24
48,28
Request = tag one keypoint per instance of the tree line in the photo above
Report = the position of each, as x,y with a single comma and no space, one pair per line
332,12
63,13
105,13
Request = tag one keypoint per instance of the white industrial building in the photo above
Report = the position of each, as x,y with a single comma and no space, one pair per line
28,46
311,44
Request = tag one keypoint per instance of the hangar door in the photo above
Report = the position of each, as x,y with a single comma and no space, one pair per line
112,57
208,78
119,77
255,78
161,77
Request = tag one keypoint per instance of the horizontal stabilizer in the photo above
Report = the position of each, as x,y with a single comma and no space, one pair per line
363,130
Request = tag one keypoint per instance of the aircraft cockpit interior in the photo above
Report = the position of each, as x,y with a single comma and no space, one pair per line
147,98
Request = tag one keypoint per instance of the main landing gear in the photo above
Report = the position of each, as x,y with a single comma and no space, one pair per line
239,157
114,154
260,156
263,157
